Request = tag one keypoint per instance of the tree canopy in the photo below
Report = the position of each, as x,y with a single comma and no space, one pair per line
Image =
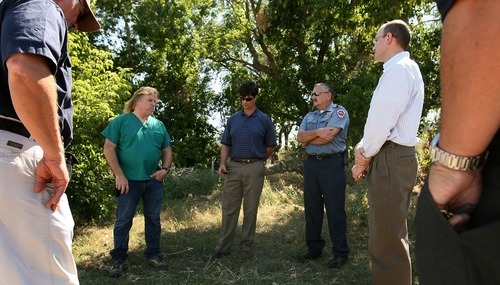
198,52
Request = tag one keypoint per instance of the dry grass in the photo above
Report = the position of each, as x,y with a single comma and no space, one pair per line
190,233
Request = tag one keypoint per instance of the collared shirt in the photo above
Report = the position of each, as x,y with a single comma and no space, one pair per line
38,27
396,105
333,116
249,136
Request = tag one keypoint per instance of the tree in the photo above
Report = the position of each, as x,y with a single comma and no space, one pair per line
97,91
287,46
159,43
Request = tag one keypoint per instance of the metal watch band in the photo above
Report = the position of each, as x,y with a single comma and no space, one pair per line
454,161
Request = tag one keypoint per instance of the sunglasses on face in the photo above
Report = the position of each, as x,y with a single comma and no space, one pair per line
248,99
317,93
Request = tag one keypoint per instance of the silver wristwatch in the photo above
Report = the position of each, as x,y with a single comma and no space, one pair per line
454,161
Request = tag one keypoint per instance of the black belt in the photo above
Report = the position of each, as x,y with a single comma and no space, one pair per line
323,156
250,160
14,127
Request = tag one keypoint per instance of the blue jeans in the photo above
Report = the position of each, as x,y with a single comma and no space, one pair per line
151,192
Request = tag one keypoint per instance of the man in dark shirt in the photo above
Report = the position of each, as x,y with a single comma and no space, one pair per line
249,139
35,127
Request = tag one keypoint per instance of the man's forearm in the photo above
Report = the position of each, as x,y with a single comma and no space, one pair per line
471,104
34,96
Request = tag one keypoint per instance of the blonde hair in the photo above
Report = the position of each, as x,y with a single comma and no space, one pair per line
145,90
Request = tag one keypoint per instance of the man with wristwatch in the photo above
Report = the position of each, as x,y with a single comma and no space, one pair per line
458,213
135,144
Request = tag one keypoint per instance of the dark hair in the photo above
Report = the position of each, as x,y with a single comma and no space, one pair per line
249,88
400,30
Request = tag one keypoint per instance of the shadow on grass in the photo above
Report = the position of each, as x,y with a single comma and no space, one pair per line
191,231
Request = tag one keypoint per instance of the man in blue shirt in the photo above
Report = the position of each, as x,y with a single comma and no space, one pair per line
323,134
248,140
36,116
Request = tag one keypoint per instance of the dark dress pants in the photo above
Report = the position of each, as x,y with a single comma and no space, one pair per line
469,257
324,187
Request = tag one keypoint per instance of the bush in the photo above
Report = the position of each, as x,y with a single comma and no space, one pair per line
188,182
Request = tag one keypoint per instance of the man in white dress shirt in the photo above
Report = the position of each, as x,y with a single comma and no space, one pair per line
386,154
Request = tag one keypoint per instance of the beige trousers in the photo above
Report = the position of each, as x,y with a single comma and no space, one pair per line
35,243
391,177
244,183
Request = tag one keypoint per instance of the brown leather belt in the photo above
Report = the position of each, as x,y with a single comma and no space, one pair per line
250,160
14,127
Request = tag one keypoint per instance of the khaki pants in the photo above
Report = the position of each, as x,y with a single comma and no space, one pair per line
391,177
35,243
244,183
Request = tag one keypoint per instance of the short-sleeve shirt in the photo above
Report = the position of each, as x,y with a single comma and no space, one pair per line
138,146
333,116
37,27
249,136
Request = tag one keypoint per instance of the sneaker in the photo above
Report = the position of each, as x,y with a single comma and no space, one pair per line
157,262
117,269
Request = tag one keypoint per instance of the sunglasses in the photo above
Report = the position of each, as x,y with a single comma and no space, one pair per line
248,99
317,93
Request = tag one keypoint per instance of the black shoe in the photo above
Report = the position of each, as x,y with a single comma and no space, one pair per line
217,254
157,262
309,256
337,261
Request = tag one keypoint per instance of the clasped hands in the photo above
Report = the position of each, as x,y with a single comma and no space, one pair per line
360,163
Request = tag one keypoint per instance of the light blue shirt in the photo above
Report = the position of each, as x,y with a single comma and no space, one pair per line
333,116
396,105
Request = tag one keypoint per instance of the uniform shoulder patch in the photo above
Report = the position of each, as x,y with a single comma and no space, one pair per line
340,113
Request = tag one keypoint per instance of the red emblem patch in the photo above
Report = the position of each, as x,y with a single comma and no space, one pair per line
340,113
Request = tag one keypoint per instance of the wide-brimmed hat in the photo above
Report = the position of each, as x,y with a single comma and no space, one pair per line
88,23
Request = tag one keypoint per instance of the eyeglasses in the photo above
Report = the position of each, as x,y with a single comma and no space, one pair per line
248,99
317,93
375,40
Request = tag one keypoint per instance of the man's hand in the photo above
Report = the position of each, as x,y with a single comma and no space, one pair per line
121,183
326,134
358,172
452,189
56,172
159,174
359,157
223,170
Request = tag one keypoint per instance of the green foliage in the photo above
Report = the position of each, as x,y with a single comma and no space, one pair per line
97,96
182,47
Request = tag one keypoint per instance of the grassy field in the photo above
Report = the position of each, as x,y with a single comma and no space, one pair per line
190,230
